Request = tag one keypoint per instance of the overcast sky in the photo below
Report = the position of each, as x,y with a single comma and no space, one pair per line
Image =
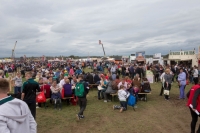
73,27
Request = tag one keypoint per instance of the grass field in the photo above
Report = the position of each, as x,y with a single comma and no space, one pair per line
154,116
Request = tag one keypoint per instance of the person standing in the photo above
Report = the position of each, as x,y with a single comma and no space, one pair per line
194,105
30,87
81,90
195,75
168,81
18,83
15,116
182,83
163,82
173,71
132,71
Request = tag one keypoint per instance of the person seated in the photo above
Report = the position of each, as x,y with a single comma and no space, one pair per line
56,95
136,91
47,92
89,78
137,83
128,80
62,82
96,79
73,82
117,80
103,86
124,83
46,88
66,73
107,76
67,90
146,88
137,76
40,82
111,89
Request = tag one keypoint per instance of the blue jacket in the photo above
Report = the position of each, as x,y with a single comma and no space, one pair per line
78,71
182,78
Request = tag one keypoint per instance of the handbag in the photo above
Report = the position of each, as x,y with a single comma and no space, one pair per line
166,92
100,88
41,98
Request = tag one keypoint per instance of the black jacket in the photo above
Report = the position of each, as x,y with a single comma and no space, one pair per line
90,79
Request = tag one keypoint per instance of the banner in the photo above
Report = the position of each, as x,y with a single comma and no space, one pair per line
157,56
141,53
149,76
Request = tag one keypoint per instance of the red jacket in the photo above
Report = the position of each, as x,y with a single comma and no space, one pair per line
196,105
46,89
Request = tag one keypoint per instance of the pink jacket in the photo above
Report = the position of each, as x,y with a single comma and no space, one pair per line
71,71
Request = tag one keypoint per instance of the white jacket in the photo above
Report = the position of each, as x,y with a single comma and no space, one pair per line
15,117
162,77
123,95
196,73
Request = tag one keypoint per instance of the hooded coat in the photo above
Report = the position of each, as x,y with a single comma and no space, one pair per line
15,117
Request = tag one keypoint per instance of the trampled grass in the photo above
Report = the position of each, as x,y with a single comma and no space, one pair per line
154,116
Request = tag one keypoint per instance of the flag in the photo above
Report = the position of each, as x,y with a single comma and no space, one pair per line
100,42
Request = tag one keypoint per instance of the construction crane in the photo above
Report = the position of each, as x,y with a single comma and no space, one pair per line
13,51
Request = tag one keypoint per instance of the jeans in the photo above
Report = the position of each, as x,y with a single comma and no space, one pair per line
195,79
98,82
182,91
17,90
113,76
82,104
100,94
122,104
191,79
194,121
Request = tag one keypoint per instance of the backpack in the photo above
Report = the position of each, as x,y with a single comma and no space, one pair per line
114,85
79,89
131,100
146,87
9,70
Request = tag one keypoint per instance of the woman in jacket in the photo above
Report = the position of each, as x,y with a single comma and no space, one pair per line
168,81
110,89
103,85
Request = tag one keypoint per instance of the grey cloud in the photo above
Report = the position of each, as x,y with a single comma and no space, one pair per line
39,41
74,27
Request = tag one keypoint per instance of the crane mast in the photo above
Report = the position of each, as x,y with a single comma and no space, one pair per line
13,51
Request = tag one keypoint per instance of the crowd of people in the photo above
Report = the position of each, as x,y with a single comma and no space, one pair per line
58,80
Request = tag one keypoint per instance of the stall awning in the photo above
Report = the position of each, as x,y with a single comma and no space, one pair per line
186,59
